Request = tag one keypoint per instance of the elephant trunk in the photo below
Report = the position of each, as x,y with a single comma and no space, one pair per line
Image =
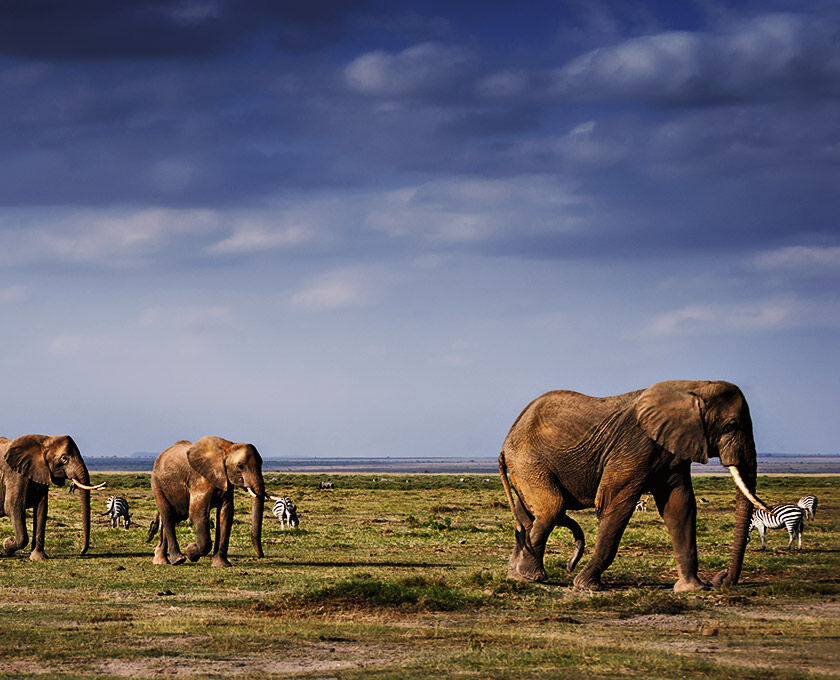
743,515
84,499
257,507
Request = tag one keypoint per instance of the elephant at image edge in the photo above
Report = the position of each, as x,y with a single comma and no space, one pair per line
568,451
188,480
27,466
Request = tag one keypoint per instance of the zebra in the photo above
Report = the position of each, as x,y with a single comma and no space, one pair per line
809,505
286,512
118,507
791,517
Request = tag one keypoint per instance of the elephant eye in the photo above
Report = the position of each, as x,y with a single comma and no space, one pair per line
731,426
63,460
240,466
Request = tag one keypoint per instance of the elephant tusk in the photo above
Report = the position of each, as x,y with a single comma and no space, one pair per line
86,487
248,489
733,470
274,498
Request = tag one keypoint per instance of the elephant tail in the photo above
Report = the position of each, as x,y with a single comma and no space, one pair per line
503,473
153,528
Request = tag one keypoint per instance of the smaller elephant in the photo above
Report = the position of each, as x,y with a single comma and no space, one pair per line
28,465
188,479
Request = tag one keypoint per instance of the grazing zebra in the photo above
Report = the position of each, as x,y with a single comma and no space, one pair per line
790,517
809,505
118,507
641,505
325,485
286,512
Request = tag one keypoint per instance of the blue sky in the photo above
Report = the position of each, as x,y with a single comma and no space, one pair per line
381,228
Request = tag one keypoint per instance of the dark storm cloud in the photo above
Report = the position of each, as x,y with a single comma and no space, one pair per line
118,29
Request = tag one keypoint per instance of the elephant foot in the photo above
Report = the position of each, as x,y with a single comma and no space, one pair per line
37,555
193,552
160,559
219,561
177,558
530,574
721,579
691,585
583,582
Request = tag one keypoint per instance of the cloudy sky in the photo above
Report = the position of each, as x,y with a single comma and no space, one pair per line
382,227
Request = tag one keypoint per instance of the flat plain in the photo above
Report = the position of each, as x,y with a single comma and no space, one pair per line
404,576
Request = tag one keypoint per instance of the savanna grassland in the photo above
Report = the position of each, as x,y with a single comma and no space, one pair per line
405,577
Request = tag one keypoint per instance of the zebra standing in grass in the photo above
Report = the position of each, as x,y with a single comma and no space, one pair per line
118,507
790,517
286,512
809,505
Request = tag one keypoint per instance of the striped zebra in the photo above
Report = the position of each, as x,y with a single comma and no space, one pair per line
286,513
118,507
790,517
809,505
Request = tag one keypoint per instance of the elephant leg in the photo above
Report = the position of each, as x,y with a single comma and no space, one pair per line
21,538
200,516
678,507
580,540
167,526
545,503
224,522
160,551
39,523
614,514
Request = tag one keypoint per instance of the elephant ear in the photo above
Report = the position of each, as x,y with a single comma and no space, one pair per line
25,456
207,458
673,417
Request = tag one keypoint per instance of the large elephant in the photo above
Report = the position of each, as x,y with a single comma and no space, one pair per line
568,451
27,466
188,479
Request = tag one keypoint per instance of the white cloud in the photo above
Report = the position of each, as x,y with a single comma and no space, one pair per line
345,288
765,57
12,295
802,259
254,237
103,237
421,69
756,316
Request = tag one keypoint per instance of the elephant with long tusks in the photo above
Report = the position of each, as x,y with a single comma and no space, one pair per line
28,465
568,451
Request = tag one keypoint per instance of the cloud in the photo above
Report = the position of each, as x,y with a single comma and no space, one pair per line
423,69
342,289
185,317
765,58
12,295
800,259
104,30
258,237
105,238
758,316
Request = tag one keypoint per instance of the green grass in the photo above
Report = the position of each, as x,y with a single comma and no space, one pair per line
405,576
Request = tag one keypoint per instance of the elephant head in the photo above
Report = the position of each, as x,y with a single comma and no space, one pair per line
44,459
227,464
696,420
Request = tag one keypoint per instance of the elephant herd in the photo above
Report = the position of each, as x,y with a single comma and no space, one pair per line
565,451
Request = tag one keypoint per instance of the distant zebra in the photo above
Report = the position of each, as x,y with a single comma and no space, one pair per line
790,517
809,505
325,485
118,507
286,512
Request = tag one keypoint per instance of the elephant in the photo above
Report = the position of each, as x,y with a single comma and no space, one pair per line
568,451
188,479
27,466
